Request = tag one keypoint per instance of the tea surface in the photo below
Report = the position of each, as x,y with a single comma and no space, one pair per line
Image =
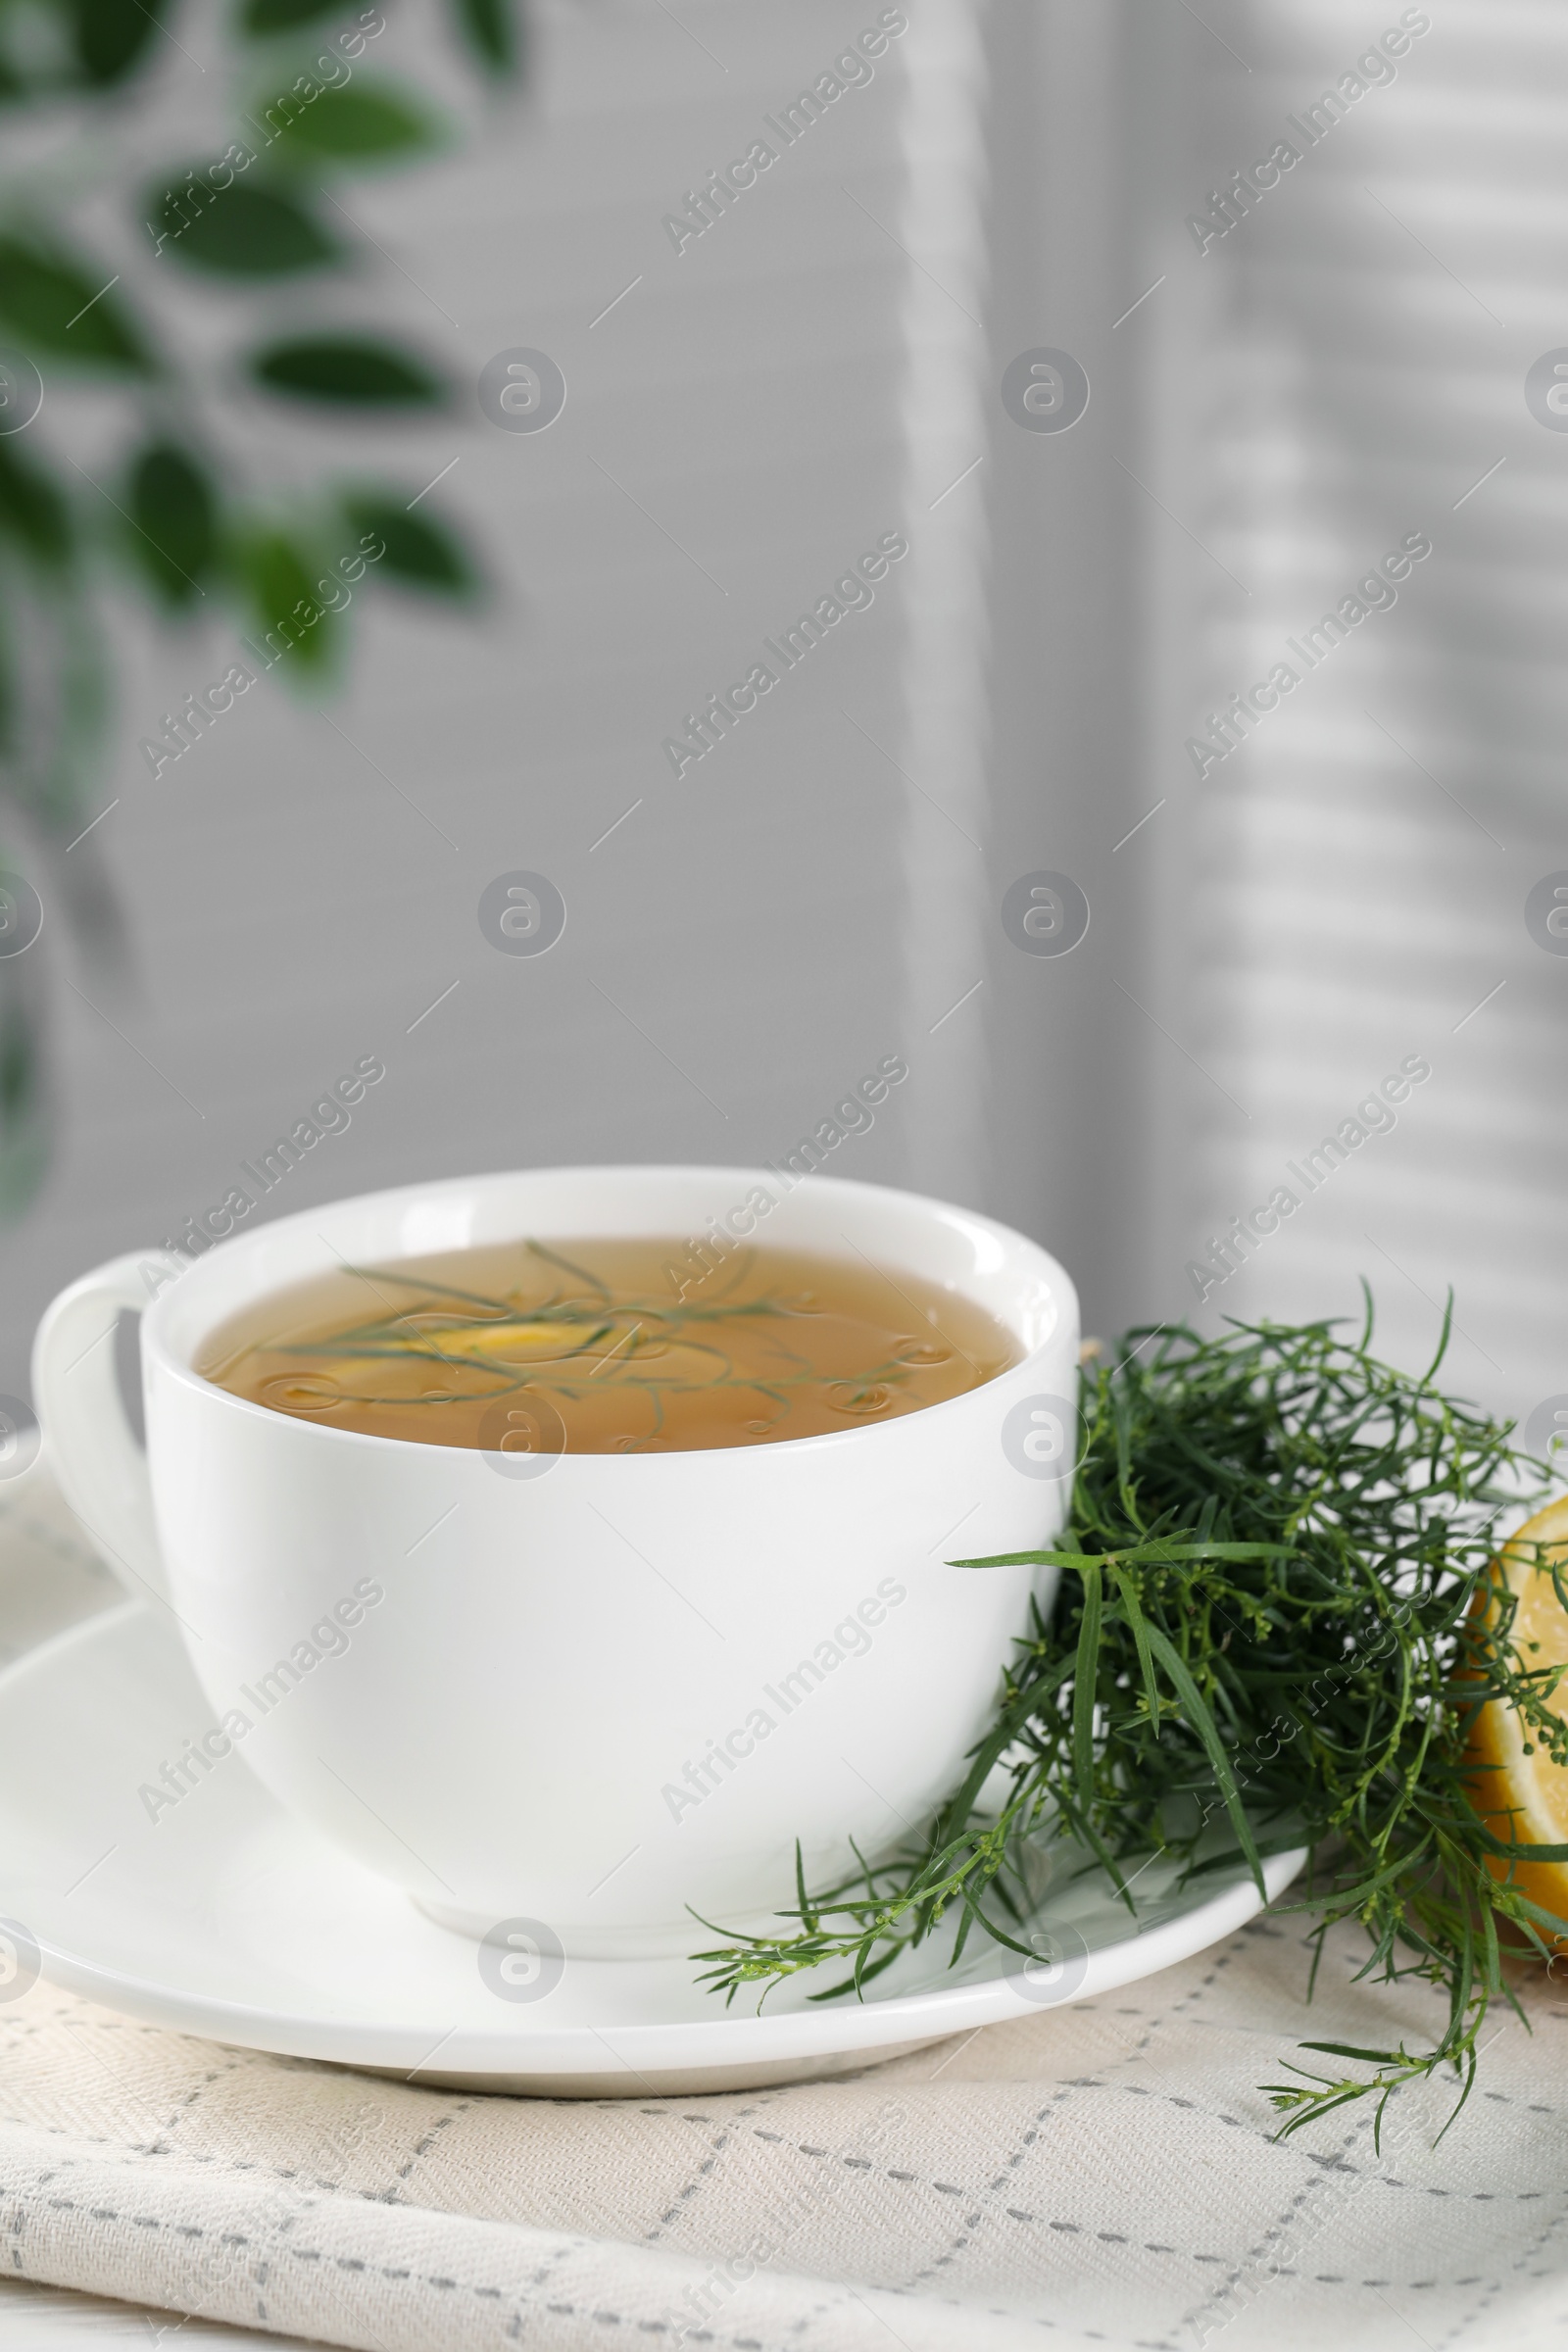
605,1347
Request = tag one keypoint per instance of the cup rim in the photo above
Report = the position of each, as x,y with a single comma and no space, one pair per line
157,1348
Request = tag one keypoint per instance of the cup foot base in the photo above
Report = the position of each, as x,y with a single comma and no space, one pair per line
666,1941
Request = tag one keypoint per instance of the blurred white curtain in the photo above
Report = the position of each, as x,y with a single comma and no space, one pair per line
1345,367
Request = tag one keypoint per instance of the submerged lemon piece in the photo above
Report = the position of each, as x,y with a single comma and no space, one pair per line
490,1336
1524,1796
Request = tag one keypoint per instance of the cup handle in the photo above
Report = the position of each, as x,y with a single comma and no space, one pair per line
91,1448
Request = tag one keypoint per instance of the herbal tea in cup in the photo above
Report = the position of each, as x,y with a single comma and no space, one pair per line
606,1690
605,1347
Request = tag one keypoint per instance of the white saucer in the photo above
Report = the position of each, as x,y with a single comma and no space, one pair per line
230,1919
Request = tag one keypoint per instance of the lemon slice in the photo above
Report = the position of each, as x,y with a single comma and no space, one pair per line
488,1339
1525,1796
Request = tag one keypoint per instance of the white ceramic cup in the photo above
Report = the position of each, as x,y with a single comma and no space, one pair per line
591,1693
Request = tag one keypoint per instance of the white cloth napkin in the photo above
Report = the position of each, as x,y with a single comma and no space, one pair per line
1104,2173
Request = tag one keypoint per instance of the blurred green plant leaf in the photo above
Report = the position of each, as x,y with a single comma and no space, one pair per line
242,230
352,126
8,690
173,511
347,371
281,586
420,551
53,305
33,510
24,1106
262,17
111,37
493,31
77,65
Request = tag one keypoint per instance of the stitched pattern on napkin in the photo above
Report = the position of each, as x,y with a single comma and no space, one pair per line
1103,2174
